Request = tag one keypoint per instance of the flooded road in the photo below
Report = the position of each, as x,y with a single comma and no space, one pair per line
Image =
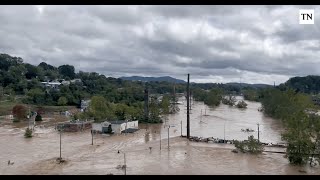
38,154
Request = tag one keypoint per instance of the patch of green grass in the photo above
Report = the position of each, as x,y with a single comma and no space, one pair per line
6,107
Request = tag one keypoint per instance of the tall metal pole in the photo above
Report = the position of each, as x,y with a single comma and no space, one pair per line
224,132
125,165
188,108
258,133
160,139
168,136
181,128
92,137
60,144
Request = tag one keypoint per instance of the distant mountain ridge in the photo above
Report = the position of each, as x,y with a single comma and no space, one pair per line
149,79
249,85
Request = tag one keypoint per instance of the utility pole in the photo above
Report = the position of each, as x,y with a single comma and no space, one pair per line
160,139
224,133
188,113
60,144
91,137
125,164
258,133
168,135
181,128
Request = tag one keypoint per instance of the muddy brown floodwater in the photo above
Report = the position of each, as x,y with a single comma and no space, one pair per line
38,154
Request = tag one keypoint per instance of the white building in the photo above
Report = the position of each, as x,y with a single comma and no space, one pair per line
101,127
84,104
76,81
53,85
119,127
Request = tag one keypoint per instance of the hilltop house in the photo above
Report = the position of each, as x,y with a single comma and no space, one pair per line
52,85
84,104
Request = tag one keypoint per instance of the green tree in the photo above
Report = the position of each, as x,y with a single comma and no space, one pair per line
300,145
67,71
165,104
229,100
36,96
98,108
251,146
121,111
154,116
62,101
28,133
214,97
1,93
242,104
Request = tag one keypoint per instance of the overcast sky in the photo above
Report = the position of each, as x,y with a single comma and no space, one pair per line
254,44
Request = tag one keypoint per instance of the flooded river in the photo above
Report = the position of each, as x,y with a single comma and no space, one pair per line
142,149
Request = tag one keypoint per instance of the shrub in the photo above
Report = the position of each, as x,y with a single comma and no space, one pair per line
251,146
38,117
28,133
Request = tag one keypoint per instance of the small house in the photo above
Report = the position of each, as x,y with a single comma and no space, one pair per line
122,126
102,127
84,104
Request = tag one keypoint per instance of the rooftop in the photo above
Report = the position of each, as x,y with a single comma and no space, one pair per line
117,122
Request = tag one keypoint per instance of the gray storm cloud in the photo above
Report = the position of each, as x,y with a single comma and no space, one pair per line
259,44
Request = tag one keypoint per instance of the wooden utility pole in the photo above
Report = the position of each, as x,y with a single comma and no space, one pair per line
60,144
188,108
160,139
168,135
125,164
258,133
181,128
91,137
224,133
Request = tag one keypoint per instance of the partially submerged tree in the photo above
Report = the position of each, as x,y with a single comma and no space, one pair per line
154,111
242,104
28,133
229,100
249,146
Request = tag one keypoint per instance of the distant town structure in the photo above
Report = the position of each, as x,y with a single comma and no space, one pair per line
84,104
117,127
101,127
56,83
52,85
